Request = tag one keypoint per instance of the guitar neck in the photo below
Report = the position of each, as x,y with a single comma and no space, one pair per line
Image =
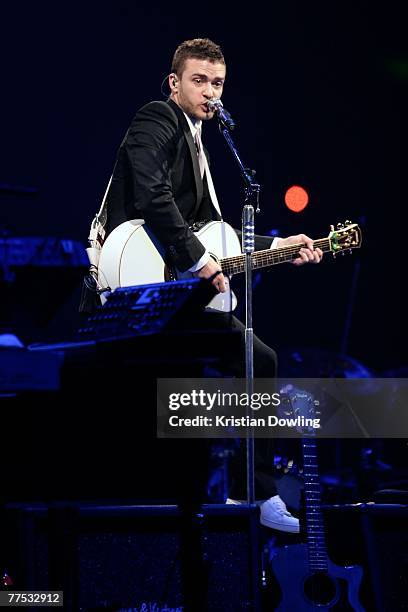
269,257
314,519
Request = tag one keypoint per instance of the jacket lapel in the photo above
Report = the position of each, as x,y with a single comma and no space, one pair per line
192,148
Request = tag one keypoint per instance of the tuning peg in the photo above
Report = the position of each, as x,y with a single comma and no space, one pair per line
340,225
348,222
334,254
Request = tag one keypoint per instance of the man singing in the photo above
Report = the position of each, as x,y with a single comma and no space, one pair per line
162,176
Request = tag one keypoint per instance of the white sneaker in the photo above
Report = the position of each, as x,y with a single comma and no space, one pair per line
275,515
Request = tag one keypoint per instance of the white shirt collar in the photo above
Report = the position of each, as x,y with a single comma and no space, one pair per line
194,124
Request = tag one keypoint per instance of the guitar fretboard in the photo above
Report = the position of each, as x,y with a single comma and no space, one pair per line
314,519
269,257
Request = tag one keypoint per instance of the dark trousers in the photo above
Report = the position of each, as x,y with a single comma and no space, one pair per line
265,366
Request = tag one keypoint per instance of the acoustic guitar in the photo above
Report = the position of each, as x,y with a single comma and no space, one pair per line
132,256
309,580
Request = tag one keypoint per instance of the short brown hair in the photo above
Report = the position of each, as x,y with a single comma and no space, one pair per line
197,48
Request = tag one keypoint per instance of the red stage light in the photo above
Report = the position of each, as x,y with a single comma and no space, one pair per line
296,198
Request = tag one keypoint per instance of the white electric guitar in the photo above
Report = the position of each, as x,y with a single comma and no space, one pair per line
131,256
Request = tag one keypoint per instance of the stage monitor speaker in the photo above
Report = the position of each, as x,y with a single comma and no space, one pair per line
131,557
386,537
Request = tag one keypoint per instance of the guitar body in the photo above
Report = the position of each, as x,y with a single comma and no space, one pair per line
335,590
130,256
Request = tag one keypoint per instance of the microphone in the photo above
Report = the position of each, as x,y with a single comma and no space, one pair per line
217,106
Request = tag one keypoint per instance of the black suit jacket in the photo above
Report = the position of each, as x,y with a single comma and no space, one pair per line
157,178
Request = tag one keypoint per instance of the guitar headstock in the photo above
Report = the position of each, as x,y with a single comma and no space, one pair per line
345,237
302,407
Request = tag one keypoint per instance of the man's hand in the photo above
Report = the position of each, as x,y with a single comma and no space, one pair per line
213,270
307,254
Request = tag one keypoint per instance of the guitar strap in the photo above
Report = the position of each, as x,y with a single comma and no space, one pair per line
96,238
91,289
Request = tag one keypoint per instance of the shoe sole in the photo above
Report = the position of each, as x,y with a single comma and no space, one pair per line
279,526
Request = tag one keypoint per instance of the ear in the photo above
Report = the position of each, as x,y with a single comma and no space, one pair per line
173,80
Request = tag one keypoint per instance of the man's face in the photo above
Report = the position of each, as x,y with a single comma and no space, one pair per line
200,81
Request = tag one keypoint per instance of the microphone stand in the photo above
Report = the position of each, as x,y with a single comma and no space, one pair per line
252,190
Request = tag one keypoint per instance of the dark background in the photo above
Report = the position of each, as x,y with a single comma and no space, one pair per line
318,91
319,94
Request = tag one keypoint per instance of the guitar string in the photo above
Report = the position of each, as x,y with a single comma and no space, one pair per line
294,249
270,255
277,253
317,548
261,258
